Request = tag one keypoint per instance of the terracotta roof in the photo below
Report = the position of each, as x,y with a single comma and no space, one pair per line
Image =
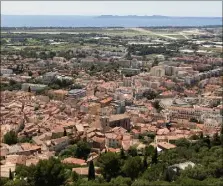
166,145
74,161
28,146
106,100
16,159
116,117
98,139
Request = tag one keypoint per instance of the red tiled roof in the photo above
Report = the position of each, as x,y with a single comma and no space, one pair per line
74,161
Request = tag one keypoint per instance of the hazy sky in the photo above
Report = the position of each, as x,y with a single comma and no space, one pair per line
168,8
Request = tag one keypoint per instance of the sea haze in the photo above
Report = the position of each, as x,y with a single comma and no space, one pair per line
104,21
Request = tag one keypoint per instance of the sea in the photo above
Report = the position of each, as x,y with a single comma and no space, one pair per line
105,21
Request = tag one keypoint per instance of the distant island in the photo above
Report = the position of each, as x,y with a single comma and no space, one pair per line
132,16
152,16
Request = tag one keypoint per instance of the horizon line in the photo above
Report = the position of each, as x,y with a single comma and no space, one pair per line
109,15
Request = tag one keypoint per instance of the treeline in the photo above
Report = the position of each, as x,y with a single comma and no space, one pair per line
131,168
146,50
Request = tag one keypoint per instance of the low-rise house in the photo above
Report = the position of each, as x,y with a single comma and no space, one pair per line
75,161
29,149
169,138
165,145
58,94
16,159
3,152
33,87
15,149
98,142
135,133
59,143
79,129
5,71
127,142
83,171
58,132
5,169
90,108
113,140
39,140
77,93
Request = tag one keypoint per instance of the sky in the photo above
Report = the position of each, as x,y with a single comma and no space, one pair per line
166,8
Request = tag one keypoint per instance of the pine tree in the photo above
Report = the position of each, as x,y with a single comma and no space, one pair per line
122,154
10,175
221,135
29,89
64,132
201,135
91,171
145,164
155,157
216,139
208,141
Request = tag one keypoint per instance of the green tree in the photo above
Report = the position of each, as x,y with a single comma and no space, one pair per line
182,143
155,172
52,54
17,182
207,141
64,132
141,182
10,174
156,105
49,173
155,156
83,150
145,163
150,94
216,140
149,150
122,154
132,167
221,135
110,165
29,89
30,73
75,176
10,138
194,47
201,135
70,151
91,171
155,62
132,151
121,181
128,56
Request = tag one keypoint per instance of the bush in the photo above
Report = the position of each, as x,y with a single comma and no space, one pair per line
10,138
